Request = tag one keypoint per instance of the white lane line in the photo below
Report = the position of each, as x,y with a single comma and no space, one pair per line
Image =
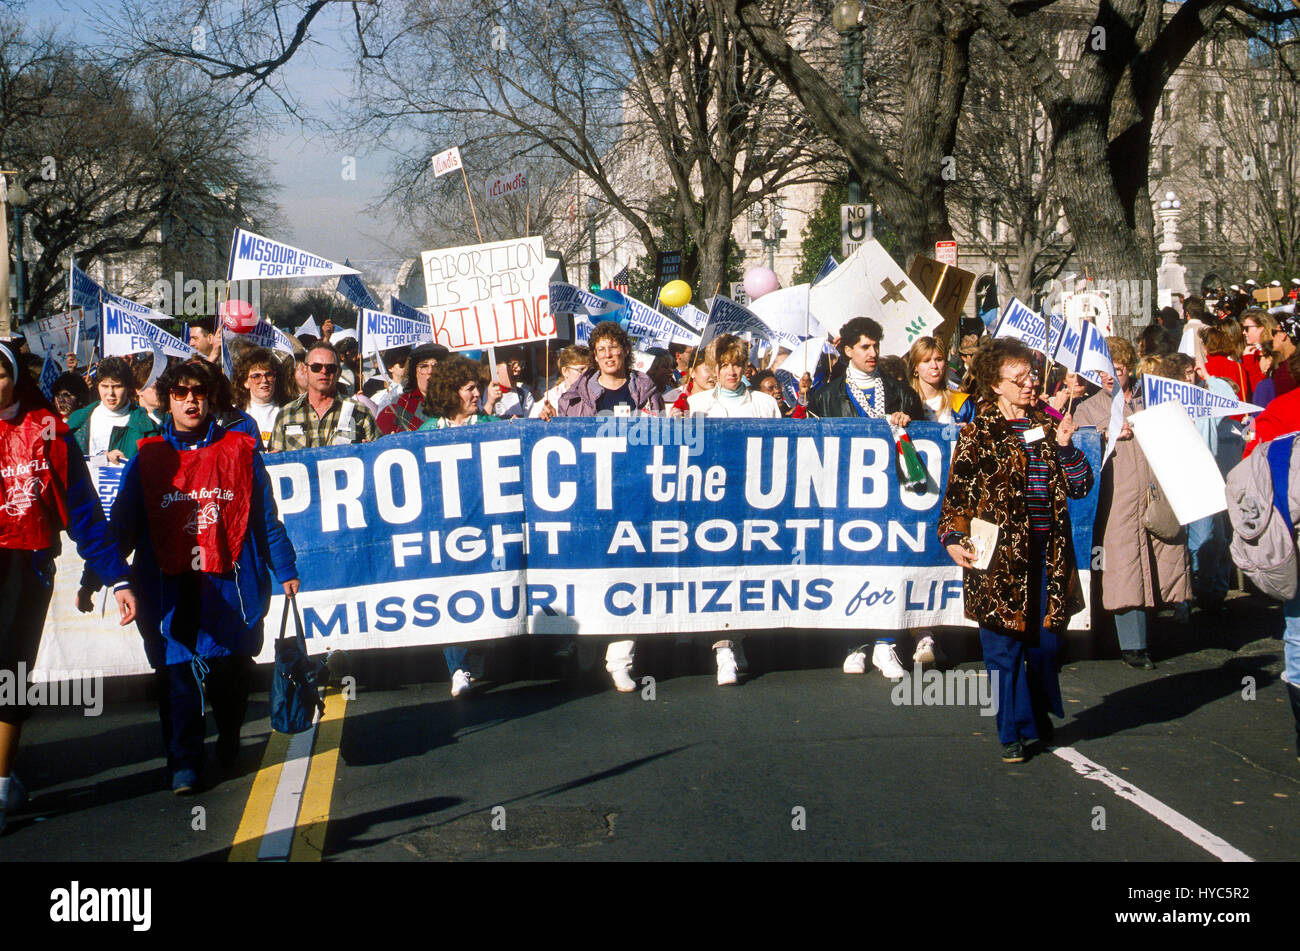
1206,839
283,815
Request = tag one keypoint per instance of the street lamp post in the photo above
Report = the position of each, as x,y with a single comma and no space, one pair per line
769,230
847,17
19,198
593,268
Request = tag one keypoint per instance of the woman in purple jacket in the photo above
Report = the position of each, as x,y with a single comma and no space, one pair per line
611,387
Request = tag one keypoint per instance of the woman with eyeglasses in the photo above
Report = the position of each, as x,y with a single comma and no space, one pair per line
453,400
197,510
1139,572
406,412
1015,466
573,362
45,489
611,387
260,388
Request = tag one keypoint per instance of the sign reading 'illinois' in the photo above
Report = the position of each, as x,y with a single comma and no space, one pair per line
486,295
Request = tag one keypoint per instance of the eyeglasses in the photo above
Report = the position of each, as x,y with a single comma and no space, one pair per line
268,375
576,368
1025,379
609,351
1250,326
329,368
182,392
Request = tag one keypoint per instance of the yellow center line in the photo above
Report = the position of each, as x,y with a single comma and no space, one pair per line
313,813
248,838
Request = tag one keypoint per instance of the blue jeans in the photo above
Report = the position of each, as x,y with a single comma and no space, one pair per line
1131,629
1207,543
1025,665
1291,640
455,658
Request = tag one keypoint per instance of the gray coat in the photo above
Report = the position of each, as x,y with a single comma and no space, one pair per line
1138,570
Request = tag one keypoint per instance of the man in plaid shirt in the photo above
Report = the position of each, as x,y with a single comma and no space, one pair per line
319,417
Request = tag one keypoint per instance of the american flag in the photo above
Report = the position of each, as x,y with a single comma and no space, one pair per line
619,281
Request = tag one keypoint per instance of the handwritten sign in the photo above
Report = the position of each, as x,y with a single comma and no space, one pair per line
486,295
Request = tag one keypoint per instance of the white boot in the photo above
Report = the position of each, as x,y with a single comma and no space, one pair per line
618,661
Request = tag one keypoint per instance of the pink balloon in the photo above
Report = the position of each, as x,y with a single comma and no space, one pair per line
760,281
238,316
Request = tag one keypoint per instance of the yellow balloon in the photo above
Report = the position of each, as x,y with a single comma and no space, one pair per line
675,294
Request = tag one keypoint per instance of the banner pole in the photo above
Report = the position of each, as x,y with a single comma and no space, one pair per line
465,179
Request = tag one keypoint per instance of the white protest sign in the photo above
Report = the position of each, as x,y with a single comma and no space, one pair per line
1181,461
1018,322
107,479
1089,306
870,283
137,309
728,317
805,357
1068,350
786,312
383,331
448,161
253,257
646,323
1115,425
267,335
308,326
690,314
489,295
506,184
54,335
1095,359
1198,401
125,333
568,299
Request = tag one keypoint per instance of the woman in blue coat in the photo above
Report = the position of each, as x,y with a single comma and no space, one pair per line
196,508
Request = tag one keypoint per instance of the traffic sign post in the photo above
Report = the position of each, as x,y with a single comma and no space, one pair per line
855,228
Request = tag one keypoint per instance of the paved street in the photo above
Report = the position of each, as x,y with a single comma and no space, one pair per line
800,762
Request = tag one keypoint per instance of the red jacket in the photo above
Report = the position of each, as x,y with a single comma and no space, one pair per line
1281,416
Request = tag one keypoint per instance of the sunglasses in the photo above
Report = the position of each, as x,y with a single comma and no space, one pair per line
182,392
330,368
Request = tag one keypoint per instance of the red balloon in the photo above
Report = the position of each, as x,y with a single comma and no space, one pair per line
238,316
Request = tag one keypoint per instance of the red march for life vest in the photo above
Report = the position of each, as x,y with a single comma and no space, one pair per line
197,501
33,480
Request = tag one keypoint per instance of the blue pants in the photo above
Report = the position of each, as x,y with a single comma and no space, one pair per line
1131,629
180,707
455,658
1291,641
1025,665
1207,543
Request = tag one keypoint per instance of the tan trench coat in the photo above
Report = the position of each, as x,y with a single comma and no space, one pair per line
1138,571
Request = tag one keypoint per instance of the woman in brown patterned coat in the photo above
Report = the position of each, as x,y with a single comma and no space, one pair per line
1016,467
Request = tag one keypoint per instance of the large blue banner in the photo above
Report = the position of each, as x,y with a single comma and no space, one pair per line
624,525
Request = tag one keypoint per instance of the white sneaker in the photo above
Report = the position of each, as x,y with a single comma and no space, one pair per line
856,662
885,659
726,666
461,683
927,651
623,681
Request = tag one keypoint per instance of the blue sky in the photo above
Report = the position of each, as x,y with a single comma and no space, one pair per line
322,211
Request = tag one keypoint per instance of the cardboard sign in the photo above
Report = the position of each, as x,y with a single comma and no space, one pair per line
507,184
946,287
489,295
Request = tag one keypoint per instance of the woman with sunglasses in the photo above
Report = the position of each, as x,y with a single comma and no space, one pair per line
45,488
573,362
197,510
1015,466
1257,325
260,388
